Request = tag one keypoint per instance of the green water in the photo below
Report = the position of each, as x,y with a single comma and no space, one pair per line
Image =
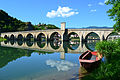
41,60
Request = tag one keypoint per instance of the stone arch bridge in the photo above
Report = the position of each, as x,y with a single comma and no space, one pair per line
103,33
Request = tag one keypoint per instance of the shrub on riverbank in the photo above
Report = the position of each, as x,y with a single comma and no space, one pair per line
2,39
111,68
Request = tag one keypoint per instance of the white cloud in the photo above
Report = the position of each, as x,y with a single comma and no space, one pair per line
105,1
100,3
89,5
61,65
61,12
93,10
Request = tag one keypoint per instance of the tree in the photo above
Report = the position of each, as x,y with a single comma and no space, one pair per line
114,13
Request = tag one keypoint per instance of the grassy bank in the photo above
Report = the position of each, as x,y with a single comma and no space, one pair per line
110,69
2,39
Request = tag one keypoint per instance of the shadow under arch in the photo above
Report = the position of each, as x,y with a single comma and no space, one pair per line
29,43
6,37
92,36
55,44
41,44
12,37
74,41
41,37
29,37
55,36
20,37
111,34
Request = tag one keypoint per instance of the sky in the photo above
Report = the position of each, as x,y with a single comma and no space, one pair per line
76,13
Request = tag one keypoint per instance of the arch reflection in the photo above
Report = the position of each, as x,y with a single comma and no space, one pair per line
20,43
73,45
41,44
6,41
55,44
29,43
12,42
90,44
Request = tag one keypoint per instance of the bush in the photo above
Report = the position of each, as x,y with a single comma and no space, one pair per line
110,70
106,47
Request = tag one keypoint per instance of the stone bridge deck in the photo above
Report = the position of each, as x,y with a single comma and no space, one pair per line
103,33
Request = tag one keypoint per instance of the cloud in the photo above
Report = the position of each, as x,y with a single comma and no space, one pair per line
61,65
89,5
62,12
93,10
105,1
100,3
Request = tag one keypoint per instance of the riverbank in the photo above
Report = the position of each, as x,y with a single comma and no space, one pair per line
110,68
2,39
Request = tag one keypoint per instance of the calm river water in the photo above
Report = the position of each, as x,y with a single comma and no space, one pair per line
42,60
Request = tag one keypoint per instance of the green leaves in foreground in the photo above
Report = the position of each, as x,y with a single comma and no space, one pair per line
109,70
106,47
114,13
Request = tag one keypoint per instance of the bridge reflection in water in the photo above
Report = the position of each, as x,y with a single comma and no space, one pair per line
53,46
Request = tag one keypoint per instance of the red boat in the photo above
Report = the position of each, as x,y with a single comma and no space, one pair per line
90,60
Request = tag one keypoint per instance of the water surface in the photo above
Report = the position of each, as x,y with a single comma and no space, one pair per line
41,60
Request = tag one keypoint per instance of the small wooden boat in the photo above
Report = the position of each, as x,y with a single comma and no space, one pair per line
90,60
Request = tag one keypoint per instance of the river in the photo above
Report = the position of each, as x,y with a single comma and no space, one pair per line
42,60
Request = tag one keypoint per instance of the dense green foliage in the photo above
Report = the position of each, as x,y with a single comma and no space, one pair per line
114,13
2,39
8,24
110,70
7,55
44,26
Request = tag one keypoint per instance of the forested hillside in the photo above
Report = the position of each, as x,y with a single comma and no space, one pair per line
11,24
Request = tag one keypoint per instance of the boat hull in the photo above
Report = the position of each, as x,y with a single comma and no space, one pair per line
88,64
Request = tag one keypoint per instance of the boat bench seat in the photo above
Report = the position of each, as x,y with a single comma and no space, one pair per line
85,55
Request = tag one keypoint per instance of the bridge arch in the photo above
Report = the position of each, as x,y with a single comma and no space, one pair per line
20,37
29,37
41,37
73,35
6,37
91,36
12,37
55,36
111,34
